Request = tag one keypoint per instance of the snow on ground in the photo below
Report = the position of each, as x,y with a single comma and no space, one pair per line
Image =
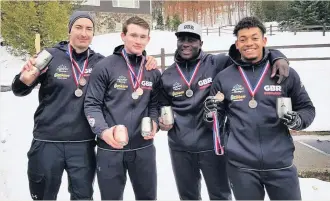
16,113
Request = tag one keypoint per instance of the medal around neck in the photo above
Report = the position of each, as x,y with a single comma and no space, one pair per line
253,103
82,81
189,93
139,91
135,95
78,93
219,96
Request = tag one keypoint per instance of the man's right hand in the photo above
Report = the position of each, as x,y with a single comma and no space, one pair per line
107,136
164,127
29,64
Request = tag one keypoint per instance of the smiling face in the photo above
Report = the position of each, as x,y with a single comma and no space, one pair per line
135,39
250,43
188,45
81,34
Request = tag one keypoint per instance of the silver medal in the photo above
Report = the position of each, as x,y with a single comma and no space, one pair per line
135,95
78,92
189,93
253,103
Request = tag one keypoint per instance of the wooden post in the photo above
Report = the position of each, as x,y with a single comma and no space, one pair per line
219,30
295,30
37,43
271,28
324,29
207,31
162,59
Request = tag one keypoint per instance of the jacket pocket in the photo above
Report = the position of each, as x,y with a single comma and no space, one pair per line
277,146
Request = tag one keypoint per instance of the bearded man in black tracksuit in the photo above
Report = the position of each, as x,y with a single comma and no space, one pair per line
185,85
111,100
259,147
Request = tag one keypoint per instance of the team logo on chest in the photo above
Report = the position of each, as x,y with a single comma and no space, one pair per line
237,93
146,85
121,83
273,90
62,72
88,71
205,83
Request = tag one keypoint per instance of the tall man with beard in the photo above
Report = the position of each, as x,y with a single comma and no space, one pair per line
185,86
62,138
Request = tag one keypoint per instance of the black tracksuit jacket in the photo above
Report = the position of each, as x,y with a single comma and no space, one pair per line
109,102
189,133
257,139
60,114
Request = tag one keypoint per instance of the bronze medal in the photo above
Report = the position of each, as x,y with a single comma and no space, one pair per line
220,96
139,91
82,81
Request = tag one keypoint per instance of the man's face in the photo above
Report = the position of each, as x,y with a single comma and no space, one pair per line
81,34
250,43
136,39
188,45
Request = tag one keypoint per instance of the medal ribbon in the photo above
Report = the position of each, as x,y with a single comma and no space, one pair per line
193,75
254,90
136,80
218,148
75,66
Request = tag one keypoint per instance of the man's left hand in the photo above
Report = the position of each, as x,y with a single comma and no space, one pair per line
151,63
282,66
154,131
292,120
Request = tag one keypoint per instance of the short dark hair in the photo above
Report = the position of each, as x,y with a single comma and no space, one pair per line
249,22
137,21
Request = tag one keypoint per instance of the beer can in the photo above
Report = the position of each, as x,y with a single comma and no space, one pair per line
166,113
120,134
146,126
43,59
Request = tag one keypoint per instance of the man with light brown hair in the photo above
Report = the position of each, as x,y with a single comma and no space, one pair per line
121,92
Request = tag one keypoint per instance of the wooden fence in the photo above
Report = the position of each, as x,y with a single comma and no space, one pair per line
271,29
163,55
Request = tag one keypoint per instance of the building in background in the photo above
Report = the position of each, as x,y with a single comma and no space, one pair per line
110,14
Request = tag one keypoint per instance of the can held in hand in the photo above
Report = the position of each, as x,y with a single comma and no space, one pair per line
120,134
146,126
43,59
166,113
283,105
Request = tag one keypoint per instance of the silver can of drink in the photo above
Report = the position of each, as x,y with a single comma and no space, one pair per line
283,105
120,134
43,59
146,126
166,113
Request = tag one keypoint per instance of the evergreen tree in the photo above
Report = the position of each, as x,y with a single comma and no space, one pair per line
175,22
21,20
168,23
160,22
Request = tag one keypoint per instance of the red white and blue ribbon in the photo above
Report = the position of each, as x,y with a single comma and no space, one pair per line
76,67
193,75
218,148
135,79
246,80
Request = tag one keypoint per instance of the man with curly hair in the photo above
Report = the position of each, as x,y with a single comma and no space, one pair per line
259,147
